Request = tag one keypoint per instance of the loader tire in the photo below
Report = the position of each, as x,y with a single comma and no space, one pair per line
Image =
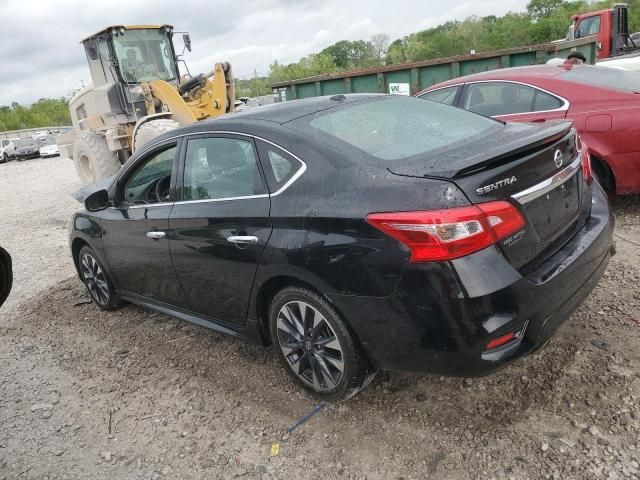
152,129
93,159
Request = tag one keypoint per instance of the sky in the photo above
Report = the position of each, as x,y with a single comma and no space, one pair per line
41,55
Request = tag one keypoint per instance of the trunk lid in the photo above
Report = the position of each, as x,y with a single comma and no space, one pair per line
534,167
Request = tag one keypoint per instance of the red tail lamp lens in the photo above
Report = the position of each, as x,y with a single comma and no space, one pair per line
436,235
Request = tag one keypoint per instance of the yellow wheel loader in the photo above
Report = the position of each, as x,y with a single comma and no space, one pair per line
137,94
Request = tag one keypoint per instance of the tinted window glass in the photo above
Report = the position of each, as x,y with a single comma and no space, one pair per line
611,78
588,26
154,176
544,101
391,128
499,98
220,168
5,143
280,166
443,95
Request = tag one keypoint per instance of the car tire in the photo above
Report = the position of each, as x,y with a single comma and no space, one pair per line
317,347
95,278
152,129
5,158
92,158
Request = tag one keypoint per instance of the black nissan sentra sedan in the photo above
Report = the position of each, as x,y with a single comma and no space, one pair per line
355,233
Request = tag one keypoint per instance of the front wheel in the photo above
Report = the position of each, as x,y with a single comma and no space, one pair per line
93,159
316,346
96,280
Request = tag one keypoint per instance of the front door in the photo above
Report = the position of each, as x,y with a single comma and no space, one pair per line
221,225
134,237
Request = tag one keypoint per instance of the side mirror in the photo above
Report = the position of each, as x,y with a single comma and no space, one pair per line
187,41
97,201
6,275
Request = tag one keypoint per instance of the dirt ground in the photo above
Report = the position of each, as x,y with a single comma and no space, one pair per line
131,394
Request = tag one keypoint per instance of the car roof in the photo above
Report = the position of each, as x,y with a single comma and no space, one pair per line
513,73
519,72
284,112
266,118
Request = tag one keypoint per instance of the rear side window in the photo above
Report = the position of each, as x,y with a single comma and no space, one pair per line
442,95
279,166
394,127
544,101
603,77
499,98
220,167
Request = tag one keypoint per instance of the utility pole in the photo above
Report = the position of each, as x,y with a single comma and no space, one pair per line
255,81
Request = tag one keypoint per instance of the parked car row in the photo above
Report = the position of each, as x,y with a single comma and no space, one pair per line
603,103
359,232
25,148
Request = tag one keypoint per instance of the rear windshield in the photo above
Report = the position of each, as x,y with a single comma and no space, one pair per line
604,77
393,128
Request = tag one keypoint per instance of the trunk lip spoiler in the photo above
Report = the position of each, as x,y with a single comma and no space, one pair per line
542,188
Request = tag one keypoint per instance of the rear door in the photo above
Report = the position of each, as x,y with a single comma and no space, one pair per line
513,102
221,224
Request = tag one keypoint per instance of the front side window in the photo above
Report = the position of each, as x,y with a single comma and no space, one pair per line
499,98
151,182
587,27
442,95
220,167
5,143
145,55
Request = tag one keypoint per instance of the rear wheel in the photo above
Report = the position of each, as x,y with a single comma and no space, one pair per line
5,158
93,159
96,280
316,346
152,129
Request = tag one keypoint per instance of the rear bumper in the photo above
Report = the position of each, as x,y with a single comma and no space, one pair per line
24,156
443,314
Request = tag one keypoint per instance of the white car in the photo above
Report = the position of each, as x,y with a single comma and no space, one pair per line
7,150
49,151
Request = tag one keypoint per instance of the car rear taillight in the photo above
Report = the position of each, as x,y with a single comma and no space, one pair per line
587,173
585,158
435,235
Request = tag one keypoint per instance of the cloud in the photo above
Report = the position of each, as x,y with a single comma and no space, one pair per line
40,53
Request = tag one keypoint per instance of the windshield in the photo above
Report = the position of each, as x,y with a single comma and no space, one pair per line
26,142
604,77
145,55
393,127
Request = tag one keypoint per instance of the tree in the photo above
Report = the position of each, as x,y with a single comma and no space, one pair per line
348,54
46,112
544,8
380,42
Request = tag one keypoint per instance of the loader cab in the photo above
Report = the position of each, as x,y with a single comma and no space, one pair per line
131,55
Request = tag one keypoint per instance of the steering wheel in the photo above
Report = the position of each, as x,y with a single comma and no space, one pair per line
163,189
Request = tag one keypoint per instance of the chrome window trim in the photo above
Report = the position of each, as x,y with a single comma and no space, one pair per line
563,108
544,187
565,103
295,176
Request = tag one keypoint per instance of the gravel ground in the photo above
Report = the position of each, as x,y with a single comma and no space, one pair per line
130,394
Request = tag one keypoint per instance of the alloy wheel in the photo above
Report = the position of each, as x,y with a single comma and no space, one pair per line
95,279
310,346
